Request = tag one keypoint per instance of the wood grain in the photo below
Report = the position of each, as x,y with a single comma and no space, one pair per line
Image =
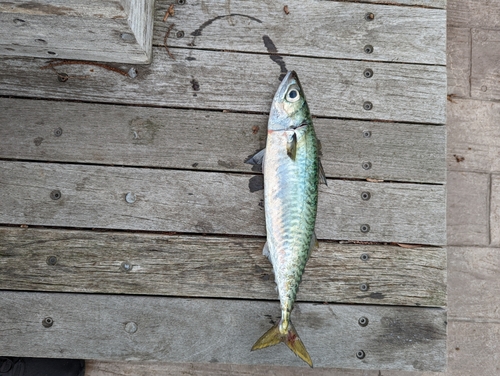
485,73
214,203
243,82
473,136
204,266
214,330
208,140
40,29
459,61
334,29
474,13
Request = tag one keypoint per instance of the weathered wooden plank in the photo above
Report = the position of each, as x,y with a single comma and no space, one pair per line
473,135
243,82
473,284
209,140
215,203
422,3
495,210
334,29
485,73
474,13
214,330
468,193
111,30
459,61
207,266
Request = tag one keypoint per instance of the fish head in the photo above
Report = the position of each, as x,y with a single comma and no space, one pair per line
289,109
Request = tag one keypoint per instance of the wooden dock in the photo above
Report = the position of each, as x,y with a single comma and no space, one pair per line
131,229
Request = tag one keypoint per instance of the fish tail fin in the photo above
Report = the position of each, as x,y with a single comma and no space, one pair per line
291,339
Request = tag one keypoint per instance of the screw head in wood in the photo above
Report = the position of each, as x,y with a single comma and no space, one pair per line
47,322
364,228
368,73
363,321
364,257
367,134
126,266
181,2
62,77
366,165
51,260
131,327
365,196
180,34
130,197
364,287
369,16
58,132
368,49
55,194
360,354
367,106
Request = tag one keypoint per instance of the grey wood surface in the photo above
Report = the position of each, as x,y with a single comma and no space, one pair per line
207,140
484,69
206,266
111,30
214,330
327,29
207,202
243,82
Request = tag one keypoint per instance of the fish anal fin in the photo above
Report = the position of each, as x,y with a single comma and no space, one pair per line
290,338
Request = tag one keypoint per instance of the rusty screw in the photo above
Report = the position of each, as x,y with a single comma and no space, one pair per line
48,322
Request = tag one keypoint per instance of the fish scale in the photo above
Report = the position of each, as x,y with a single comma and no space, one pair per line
291,170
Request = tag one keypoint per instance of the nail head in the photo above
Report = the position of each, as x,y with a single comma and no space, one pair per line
364,287
367,106
365,196
368,49
62,77
367,134
58,132
180,34
366,165
368,73
369,16
365,257
181,2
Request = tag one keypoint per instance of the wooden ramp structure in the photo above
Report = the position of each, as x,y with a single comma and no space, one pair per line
131,229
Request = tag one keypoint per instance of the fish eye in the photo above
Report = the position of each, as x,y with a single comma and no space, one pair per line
293,95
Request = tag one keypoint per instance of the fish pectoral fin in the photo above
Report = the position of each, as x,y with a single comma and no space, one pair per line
291,146
257,158
291,339
322,176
